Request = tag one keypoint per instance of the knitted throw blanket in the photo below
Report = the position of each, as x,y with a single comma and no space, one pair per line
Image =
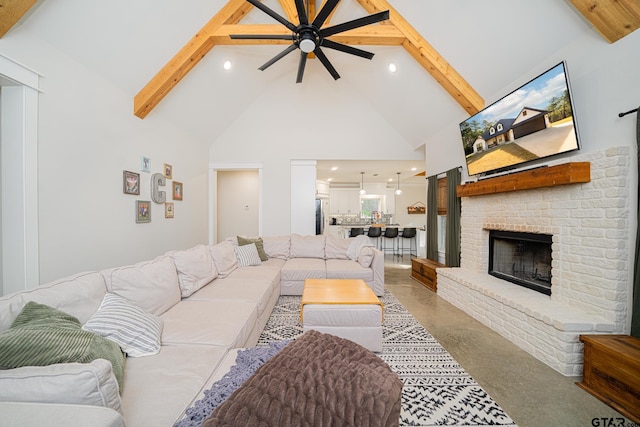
247,362
317,380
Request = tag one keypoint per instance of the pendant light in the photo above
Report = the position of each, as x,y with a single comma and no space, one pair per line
362,190
398,191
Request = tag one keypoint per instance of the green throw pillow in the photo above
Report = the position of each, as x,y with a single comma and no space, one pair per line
259,246
42,335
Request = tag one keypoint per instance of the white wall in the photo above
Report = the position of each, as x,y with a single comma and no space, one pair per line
274,131
411,193
87,137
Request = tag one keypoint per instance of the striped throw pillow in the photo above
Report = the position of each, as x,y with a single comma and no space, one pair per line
247,255
133,329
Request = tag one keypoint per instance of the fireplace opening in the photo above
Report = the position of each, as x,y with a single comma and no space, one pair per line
521,258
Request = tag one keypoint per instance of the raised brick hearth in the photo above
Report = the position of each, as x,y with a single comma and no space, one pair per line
590,265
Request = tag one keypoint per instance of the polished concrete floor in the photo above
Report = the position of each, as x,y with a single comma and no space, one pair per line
533,394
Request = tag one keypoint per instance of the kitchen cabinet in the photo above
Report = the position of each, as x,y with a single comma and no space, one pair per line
344,200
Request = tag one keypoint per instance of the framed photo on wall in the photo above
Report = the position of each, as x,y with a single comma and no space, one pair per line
177,190
143,211
130,182
145,164
168,210
168,171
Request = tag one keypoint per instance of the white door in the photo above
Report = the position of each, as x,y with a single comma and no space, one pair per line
237,209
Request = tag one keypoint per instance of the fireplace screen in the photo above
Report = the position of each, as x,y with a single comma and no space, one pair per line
521,258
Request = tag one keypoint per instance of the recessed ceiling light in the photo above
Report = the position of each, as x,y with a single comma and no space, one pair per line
330,179
335,168
227,65
414,169
393,68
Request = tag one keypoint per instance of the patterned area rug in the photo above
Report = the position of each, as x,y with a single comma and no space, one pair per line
437,390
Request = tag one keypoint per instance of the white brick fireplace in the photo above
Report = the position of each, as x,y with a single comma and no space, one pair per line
591,260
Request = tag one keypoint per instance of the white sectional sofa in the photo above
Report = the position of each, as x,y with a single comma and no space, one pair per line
209,306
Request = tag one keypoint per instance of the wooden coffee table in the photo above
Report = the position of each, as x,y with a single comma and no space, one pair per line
347,308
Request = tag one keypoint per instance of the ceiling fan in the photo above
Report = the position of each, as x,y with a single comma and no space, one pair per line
310,36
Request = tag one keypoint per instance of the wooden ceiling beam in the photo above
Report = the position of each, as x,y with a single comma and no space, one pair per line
397,31
11,11
379,35
613,19
430,59
187,58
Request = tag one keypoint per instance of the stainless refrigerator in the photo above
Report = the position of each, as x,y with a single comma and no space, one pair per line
320,214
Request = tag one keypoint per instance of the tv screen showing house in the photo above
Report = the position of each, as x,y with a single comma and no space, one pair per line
533,122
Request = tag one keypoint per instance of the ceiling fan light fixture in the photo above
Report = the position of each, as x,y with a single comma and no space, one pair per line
307,45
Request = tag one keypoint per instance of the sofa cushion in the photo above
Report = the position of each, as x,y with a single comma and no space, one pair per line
42,335
347,269
154,395
90,383
259,245
79,295
255,290
195,269
277,246
224,257
151,285
224,323
247,255
307,246
299,269
134,330
336,248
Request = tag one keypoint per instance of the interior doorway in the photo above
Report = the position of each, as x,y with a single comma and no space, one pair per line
19,257
236,203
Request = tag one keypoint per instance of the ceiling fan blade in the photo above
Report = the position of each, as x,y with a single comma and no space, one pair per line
324,13
301,65
356,23
302,13
273,14
278,57
347,49
262,36
321,56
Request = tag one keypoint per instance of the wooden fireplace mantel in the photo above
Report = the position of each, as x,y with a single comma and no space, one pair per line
566,173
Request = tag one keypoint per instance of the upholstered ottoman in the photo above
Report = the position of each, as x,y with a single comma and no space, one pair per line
344,308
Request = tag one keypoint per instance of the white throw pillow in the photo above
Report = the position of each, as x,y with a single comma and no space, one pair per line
307,246
247,255
134,330
68,383
195,267
151,285
365,257
224,257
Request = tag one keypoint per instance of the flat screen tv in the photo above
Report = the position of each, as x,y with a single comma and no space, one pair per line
531,123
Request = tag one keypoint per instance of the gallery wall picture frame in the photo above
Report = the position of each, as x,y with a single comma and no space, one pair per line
145,164
143,211
130,182
177,190
168,171
168,210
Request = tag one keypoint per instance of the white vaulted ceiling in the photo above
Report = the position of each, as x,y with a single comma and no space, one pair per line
491,44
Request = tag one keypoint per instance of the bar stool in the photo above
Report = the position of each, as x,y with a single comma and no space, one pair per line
356,231
374,233
409,233
390,233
